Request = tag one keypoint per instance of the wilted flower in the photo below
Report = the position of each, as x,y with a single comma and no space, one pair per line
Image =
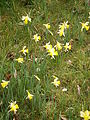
58,46
85,115
24,51
4,83
26,19
64,89
13,107
36,37
37,77
30,96
67,47
56,81
85,25
20,60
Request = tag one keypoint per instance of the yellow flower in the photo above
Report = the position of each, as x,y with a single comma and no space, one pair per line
85,115
24,51
52,52
48,46
4,83
85,25
58,46
47,25
61,32
20,60
37,77
62,28
67,47
26,19
36,38
13,107
30,96
56,81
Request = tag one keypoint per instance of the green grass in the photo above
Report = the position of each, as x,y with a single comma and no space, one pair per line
49,102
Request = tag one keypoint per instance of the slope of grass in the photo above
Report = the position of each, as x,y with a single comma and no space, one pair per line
72,67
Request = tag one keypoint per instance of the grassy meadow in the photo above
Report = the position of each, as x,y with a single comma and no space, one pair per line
39,68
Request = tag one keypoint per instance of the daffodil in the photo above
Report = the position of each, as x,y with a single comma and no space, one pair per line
58,46
47,25
85,25
56,81
67,47
30,96
52,52
37,77
61,32
20,60
4,83
24,50
13,107
62,28
26,19
48,46
85,115
36,37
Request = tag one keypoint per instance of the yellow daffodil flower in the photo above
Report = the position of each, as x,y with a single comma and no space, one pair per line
30,96
85,115
84,25
56,81
48,46
13,107
62,28
58,46
37,77
47,25
67,47
24,51
26,19
36,38
4,83
61,32
52,52
20,60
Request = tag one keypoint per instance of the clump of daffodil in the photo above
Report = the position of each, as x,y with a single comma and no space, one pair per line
36,37
26,19
48,28
24,50
48,46
56,81
20,60
67,47
13,107
58,46
4,83
30,96
52,52
85,115
85,26
62,28
37,77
